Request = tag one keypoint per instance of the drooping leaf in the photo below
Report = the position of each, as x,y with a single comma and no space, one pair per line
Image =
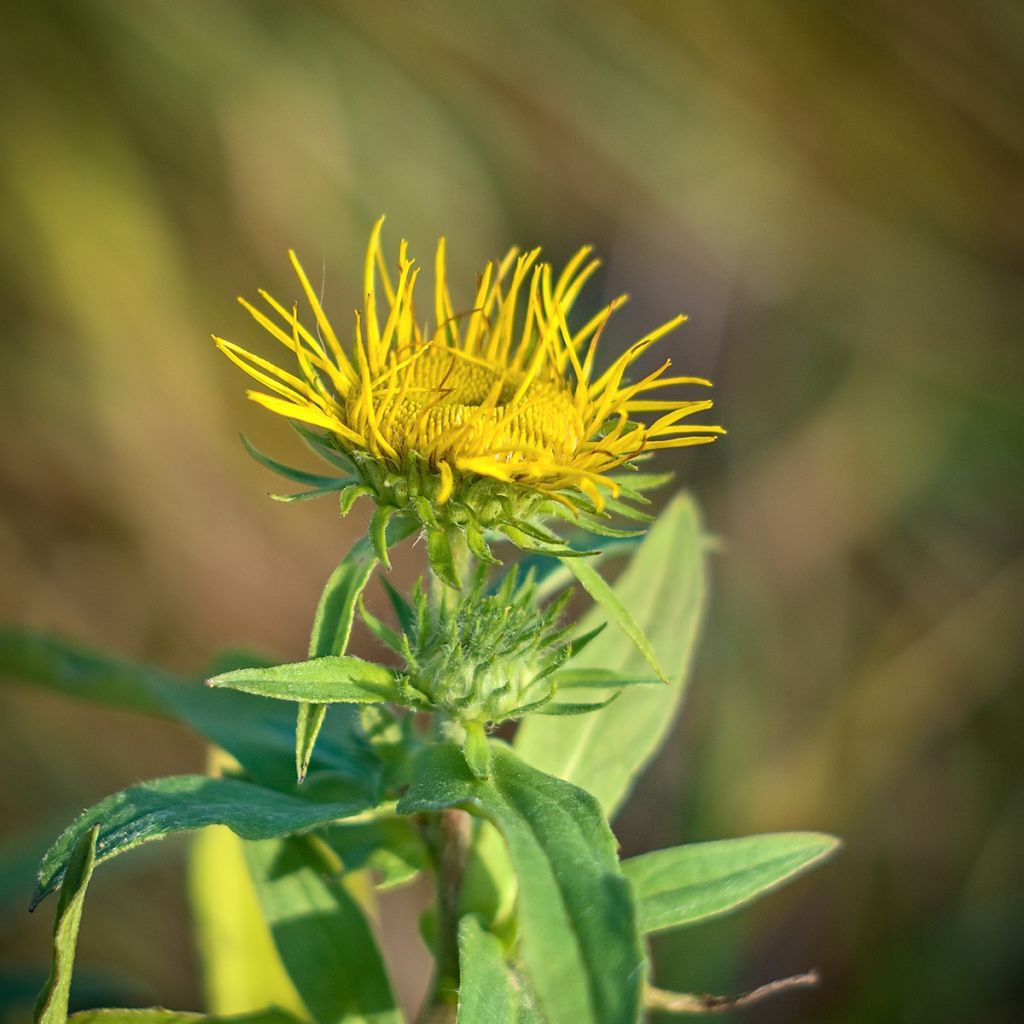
52,1004
152,810
598,588
242,972
332,679
486,992
321,934
688,884
663,587
580,944
299,476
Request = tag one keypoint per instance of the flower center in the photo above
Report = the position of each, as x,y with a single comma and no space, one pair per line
444,405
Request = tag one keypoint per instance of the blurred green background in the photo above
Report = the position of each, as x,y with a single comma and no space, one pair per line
833,193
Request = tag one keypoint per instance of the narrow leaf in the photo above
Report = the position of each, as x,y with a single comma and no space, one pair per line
687,884
663,587
597,678
317,492
299,476
158,1015
579,939
486,992
333,679
52,1004
152,810
596,586
321,934
584,708
332,626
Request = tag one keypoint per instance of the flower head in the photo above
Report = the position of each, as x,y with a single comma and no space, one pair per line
496,416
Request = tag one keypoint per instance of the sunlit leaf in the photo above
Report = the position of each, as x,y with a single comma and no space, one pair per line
322,935
687,884
152,810
663,586
579,942
241,969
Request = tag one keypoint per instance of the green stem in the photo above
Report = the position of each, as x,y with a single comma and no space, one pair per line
450,842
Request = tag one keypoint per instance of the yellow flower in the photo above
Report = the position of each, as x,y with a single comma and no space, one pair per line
504,392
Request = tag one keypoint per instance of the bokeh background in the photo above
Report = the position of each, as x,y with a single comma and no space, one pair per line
833,192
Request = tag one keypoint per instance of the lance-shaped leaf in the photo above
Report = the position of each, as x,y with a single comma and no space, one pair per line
241,970
688,884
299,476
598,679
332,627
321,934
334,679
152,810
52,1005
580,944
663,587
158,1015
597,587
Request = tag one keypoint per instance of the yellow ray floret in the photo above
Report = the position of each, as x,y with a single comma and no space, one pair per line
504,390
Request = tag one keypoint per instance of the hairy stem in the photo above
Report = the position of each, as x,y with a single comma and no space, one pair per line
450,842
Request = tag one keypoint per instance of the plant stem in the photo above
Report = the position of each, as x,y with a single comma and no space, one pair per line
451,847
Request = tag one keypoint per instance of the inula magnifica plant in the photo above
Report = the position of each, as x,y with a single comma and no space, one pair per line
474,426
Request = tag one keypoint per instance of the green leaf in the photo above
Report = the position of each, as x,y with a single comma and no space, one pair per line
321,934
257,733
299,476
74,671
583,708
241,969
486,992
597,678
663,587
332,626
158,1015
579,939
317,492
52,1004
596,586
152,810
687,884
334,679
